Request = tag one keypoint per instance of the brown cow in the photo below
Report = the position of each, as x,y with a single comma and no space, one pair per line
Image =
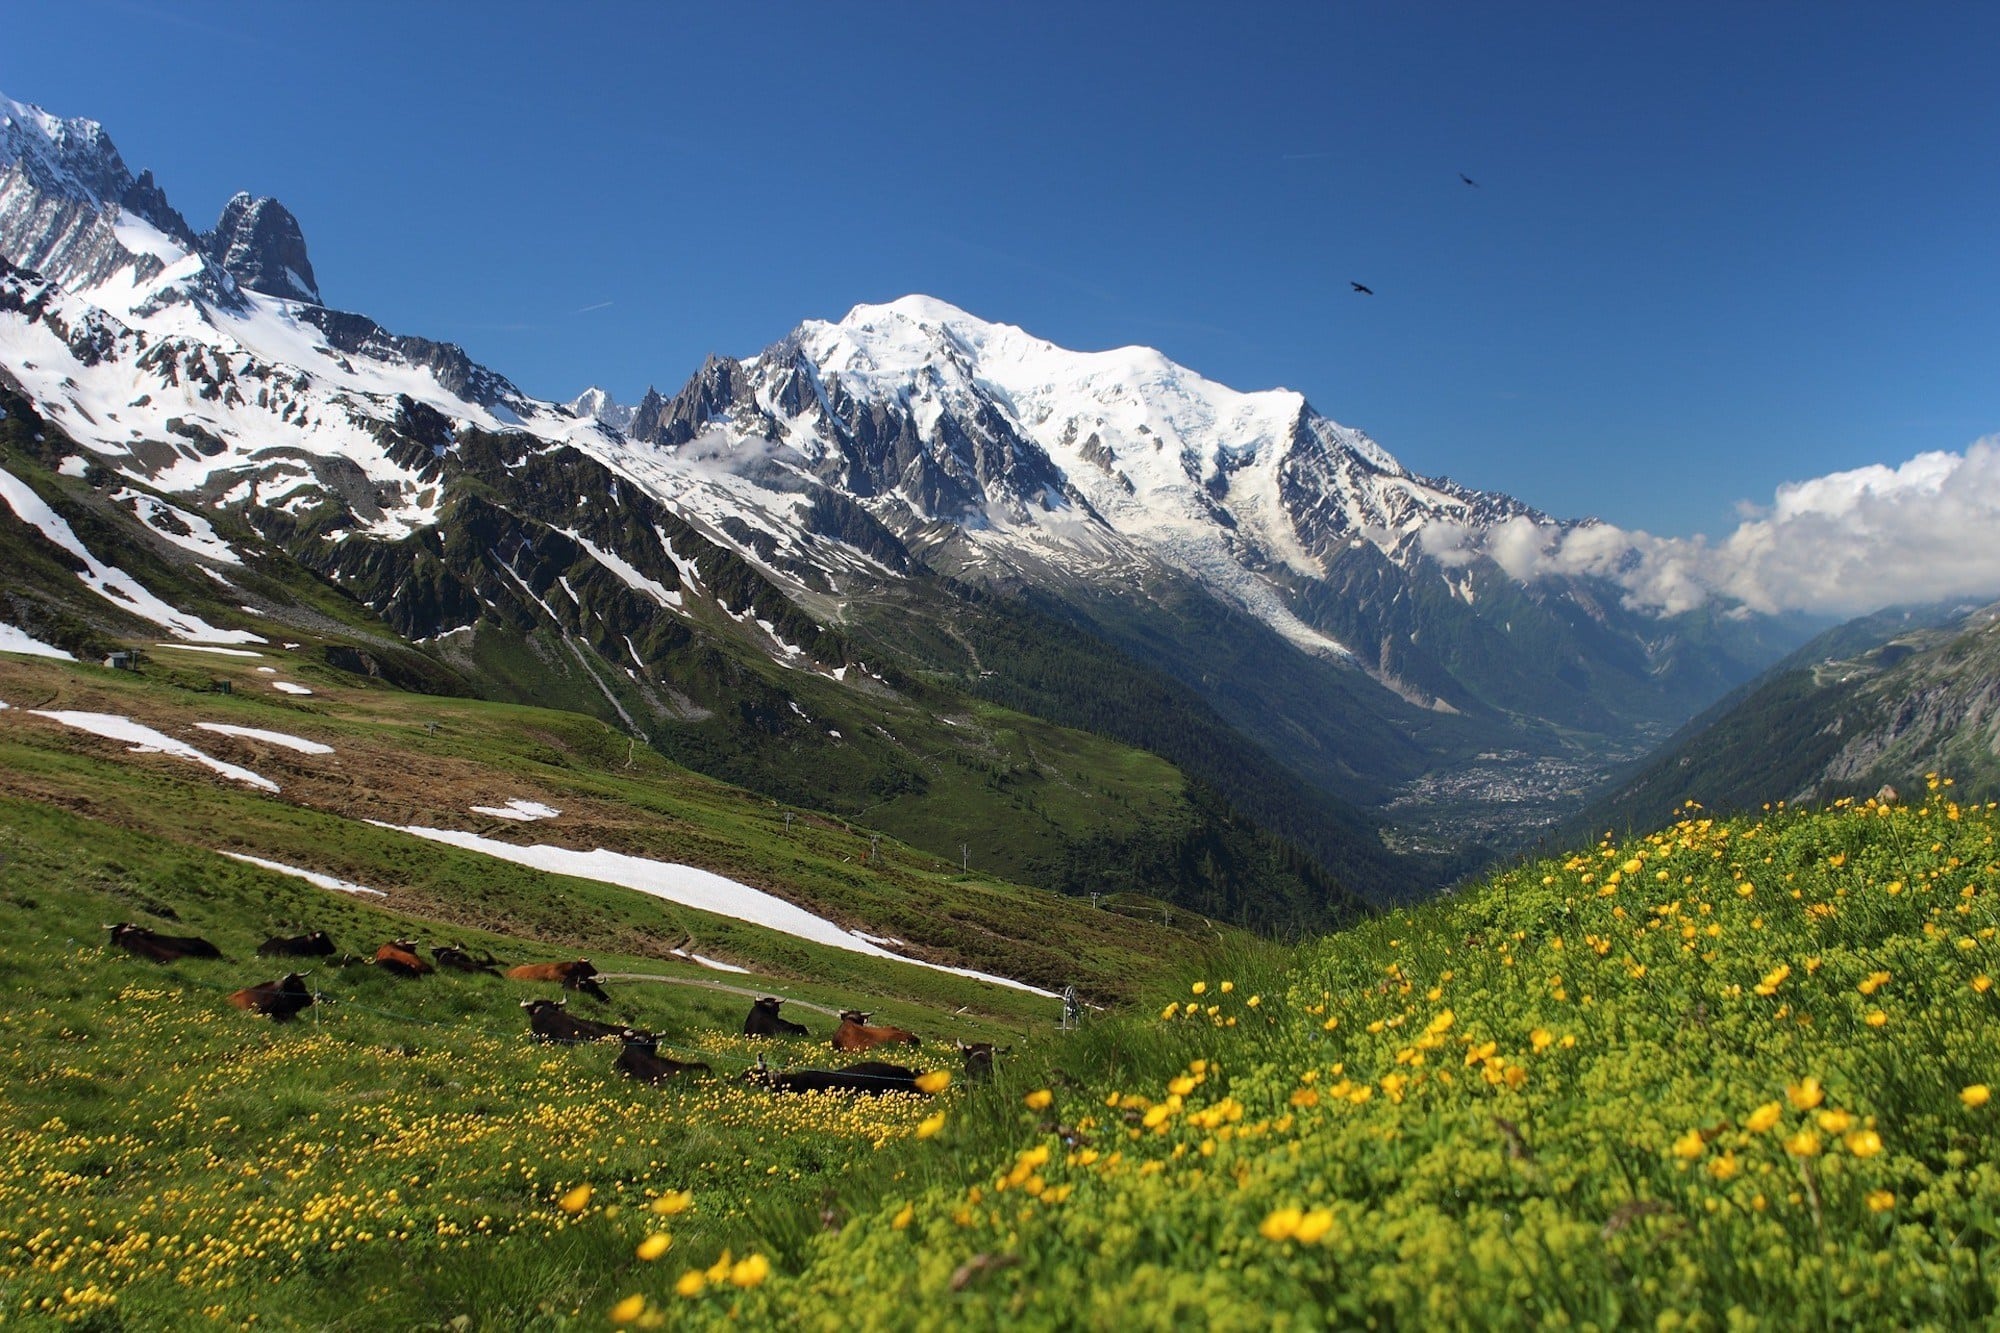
150,944
402,959
276,1000
854,1033
576,976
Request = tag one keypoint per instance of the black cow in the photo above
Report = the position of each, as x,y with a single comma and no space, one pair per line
871,1078
641,1059
456,958
763,1020
276,1000
979,1057
160,948
549,1021
315,945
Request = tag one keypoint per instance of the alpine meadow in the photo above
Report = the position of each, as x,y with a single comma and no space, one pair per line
592,796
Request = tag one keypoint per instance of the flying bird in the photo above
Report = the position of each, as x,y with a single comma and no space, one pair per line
1365,291
1468,180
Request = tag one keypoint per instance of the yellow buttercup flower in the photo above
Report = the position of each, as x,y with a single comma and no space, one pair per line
1864,1143
692,1282
1227,987
1875,1018
1805,1143
1689,1146
1725,1167
1199,988
654,1246
902,1218
937,1080
1976,1095
576,1200
1835,1122
672,1202
1763,1117
1313,1225
1880,1201
930,1125
1806,1093
1281,1223
628,1309
1039,1099
1873,982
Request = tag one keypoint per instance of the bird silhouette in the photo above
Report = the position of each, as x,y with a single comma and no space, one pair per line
1468,180
1365,291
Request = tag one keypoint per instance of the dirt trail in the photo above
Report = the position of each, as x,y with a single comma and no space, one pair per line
713,985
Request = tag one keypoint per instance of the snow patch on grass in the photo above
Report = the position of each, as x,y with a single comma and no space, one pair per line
145,740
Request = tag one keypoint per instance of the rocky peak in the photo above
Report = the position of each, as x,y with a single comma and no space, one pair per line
597,404
258,242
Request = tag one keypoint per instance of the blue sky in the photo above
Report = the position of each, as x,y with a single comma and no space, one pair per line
1714,248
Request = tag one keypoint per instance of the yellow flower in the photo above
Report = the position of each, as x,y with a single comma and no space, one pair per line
1725,1167
1181,1085
750,1271
1281,1224
672,1202
1806,1093
719,1270
1313,1225
1199,988
1875,1018
1805,1143
1976,1095
1873,982
1880,1201
1763,1117
1254,1001
654,1246
1172,1010
1864,1143
691,1283
937,1080
1039,1099
1689,1146
1835,1122
1773,979
1227,987
930,1125
576,1200
628,1309
1540,1039
1633,866
902,1219
1982,983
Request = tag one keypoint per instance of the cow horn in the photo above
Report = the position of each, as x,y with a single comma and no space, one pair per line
960,1043
526,1003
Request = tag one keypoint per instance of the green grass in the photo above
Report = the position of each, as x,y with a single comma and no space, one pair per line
1728,1075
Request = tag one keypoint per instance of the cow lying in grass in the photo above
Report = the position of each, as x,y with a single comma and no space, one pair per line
549,1021
150,944
278,1001
577,975
641,1059
855,1033
870,1078
763,1020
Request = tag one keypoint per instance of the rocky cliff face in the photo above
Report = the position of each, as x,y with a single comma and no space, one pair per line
258,243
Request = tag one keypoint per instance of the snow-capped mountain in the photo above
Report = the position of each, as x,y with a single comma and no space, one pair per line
1266,557
988,447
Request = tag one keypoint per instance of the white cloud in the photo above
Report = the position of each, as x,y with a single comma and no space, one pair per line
1840,544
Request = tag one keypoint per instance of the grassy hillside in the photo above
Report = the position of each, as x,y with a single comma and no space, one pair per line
1731,1073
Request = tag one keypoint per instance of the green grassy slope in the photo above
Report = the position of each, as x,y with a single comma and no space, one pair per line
1726,1075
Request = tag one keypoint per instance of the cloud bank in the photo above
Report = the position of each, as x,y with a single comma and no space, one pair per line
1841,544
